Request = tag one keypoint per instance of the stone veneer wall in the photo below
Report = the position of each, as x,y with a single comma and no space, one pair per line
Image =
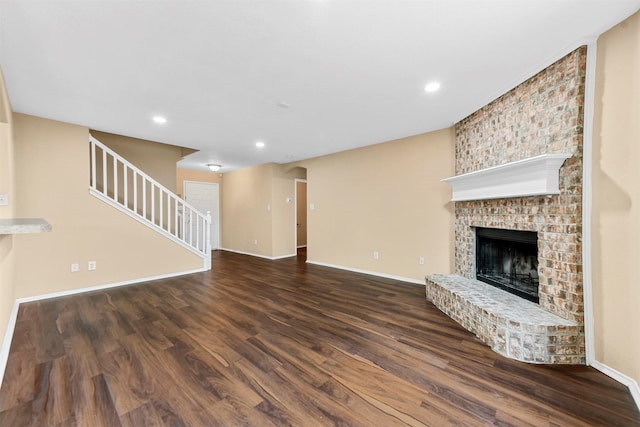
542,115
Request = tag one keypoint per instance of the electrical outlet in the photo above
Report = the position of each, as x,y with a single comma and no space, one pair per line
75,267
92,265
4,200
376,255
255,242
421,260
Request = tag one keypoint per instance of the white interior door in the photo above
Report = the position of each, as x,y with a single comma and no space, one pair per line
205,197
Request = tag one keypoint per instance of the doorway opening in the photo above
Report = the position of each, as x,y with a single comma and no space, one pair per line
301,217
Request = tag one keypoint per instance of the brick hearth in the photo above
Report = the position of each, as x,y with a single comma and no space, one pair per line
510,325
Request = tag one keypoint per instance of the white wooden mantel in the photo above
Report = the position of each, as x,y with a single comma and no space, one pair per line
534,176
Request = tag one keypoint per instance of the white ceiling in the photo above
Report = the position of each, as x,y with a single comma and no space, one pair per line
351,72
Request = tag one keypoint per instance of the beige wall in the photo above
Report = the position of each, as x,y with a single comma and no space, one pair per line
386,198
155,159
246,202
52,181
616,199
6,187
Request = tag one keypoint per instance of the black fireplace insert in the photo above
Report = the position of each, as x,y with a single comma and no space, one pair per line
508,259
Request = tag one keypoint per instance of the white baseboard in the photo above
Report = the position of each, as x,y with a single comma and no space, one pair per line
258,255
106,286
8,337
623,379
371,273
284,256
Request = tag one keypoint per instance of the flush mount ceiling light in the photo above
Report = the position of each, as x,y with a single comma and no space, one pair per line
159,119
214,168
432,87
259,144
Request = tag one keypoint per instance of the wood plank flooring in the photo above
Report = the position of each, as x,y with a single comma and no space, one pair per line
255,342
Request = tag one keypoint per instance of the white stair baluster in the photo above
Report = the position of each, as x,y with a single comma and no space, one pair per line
104,172
135,191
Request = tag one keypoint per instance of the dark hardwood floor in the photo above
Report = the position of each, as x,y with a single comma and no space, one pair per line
272,343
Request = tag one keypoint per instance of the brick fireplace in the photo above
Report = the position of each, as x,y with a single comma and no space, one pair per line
544,115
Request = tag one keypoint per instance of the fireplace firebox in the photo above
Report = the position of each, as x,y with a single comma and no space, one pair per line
508,259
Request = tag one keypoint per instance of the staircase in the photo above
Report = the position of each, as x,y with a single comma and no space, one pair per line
125,187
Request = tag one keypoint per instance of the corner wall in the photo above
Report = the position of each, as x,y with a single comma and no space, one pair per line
258,218
615,215
386,198
7,186
246,209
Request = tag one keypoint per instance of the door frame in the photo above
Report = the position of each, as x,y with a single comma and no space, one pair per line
295,214
214,224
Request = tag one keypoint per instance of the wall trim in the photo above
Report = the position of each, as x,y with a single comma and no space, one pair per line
107,286
284,256
8,338
587,187
623,379
369,272
272,258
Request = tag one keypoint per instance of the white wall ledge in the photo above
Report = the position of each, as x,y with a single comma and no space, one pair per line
534,176
23,225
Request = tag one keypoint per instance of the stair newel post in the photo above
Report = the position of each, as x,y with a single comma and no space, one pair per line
207,252
93,163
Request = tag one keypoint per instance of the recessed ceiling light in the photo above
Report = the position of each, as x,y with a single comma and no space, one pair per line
259,144
432,87
159,119
284,105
